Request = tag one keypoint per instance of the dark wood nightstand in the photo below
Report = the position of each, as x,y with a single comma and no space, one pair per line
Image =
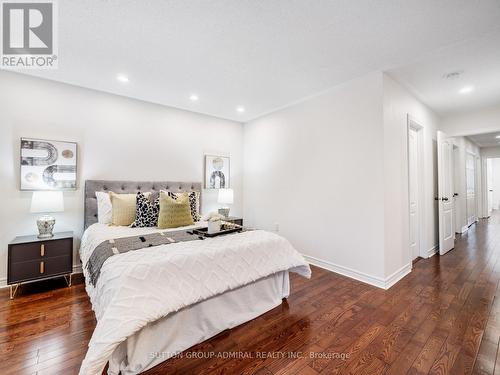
31,259
233,219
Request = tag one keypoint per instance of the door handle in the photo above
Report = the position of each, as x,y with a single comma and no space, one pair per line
455,194
441,199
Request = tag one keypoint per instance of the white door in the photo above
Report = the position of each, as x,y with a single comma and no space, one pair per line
413,192
445,193
470,174
456,188
489,183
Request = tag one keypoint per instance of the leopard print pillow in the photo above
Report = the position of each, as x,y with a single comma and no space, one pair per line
146,214
194,203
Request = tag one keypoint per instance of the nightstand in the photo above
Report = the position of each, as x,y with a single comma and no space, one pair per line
33,259
233,219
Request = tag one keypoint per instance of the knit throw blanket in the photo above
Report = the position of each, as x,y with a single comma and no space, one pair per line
122,245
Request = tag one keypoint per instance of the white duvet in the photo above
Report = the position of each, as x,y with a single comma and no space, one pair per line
142,286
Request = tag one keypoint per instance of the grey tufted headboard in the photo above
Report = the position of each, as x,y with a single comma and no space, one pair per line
91,186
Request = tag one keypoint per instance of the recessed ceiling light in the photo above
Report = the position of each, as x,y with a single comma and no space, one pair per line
466,90
240,109
122,78
193,98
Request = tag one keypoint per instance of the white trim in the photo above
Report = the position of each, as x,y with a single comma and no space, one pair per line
398,275
377,281
77,268
465,228
432,251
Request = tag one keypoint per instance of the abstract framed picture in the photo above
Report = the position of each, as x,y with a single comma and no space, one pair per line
48,165
217,172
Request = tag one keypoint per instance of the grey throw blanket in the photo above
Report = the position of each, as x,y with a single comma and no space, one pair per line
122,245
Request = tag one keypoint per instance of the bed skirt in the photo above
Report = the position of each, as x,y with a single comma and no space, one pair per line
169,336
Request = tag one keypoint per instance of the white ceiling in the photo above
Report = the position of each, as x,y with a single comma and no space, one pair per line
486,140
478,60
257,53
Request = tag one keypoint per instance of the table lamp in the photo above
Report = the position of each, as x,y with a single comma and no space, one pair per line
225,197
46,202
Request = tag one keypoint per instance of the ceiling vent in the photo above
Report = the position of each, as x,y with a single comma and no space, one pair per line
453,75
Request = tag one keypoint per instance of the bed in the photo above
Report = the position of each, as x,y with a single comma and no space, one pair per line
153,303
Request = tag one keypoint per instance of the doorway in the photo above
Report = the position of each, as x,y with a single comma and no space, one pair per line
457,193
493,184
415,191
470,175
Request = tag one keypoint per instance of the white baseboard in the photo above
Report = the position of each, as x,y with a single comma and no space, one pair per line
398,275
77,268
465,228
432,251
379,282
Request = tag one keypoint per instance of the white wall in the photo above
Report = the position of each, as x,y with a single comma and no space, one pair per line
484,120
398,104
490,152
118,138
316,169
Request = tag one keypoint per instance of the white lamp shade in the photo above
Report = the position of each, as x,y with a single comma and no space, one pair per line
47,201
226,196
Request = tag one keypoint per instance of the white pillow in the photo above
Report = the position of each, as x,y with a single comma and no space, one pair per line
104,207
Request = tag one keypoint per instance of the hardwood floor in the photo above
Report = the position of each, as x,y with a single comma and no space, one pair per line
443,318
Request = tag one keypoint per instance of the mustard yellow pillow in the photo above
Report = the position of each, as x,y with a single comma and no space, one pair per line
174,212
123,207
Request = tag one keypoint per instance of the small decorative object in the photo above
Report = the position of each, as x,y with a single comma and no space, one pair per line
214,222
225,197
48,165
46,202
216,172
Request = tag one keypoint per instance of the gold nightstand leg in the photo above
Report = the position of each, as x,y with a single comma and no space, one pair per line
68,279
13,292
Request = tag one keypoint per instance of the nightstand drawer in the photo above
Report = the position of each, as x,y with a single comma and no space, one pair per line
37,269
40,250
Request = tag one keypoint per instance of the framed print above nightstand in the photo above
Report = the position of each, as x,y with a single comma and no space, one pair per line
217,170
48,165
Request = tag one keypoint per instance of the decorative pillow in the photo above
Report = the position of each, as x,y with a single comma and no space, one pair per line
146,214
124,207
174,212
194,203
104,208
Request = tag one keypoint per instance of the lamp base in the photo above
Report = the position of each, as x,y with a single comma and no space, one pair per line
45,226
224,211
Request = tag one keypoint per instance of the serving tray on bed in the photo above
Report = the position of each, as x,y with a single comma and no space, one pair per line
224,230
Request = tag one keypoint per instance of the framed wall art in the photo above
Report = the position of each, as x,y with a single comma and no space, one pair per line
217,172
48,165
